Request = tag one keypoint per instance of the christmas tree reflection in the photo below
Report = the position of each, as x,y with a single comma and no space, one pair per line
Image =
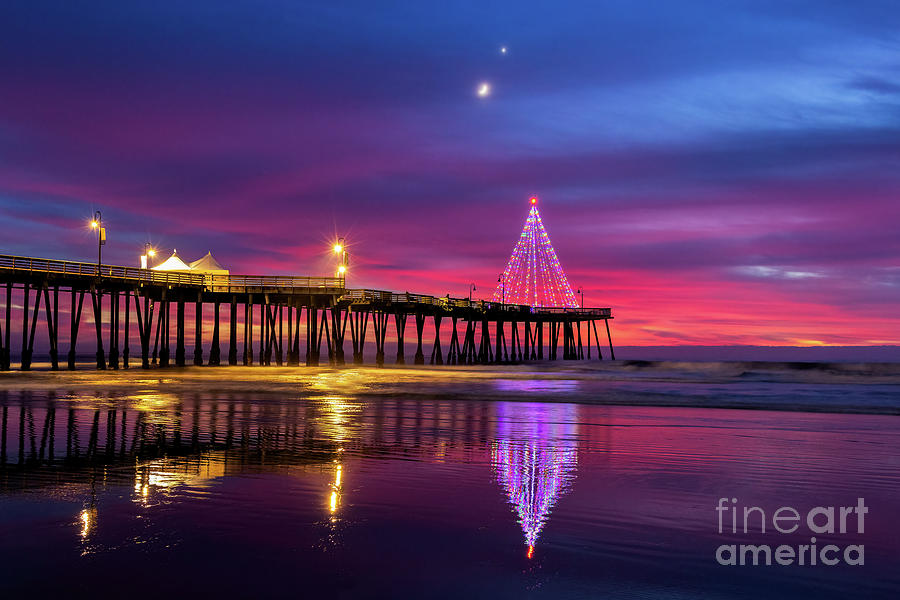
534,457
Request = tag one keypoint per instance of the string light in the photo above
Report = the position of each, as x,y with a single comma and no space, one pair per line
533,276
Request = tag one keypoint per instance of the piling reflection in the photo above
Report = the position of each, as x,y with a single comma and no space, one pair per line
535,457
162,448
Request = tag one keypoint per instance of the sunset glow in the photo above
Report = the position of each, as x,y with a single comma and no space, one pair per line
725,197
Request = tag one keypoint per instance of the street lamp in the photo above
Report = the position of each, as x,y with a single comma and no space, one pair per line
581,291
97,223
472,288
149,253
502,282
340,249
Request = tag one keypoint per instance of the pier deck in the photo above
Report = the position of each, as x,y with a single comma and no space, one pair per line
492,330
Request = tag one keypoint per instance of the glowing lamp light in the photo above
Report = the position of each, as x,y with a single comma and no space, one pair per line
342,269
151,252
338,248
94,224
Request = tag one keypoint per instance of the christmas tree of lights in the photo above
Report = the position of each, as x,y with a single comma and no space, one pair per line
533,275
535,458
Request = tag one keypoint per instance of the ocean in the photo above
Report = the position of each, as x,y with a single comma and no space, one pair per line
567,480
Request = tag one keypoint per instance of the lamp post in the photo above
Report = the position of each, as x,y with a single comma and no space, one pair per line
97,223
149,253
580,290
472,288
502,282
340,249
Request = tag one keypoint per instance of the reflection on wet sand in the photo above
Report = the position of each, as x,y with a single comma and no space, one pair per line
384,497
158,444
535,457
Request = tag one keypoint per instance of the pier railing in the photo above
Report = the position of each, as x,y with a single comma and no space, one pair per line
225,283
362,296
216,283
67,267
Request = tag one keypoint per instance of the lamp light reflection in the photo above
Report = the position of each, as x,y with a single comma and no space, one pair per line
88,520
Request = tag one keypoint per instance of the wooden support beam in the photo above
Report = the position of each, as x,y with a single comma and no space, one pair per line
25,360
338,330
516,344
114,329
597,339
528,343
149,308
379,322
486,337
290,320
588,332
437,357
28,352
468,344
354,332
263,332
453,352
324,329
297,333
166,352
612,353
554,340
74,322
232,332
52,328
540,340
142,333
248,331
215,352
5,351
126,351
279,358
2,355
472,354
580,354
420,327
198,331
179,333
159,327
97,301
400,324
362,337
312,338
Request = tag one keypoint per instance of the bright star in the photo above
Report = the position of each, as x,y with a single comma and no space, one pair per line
503,49
484,90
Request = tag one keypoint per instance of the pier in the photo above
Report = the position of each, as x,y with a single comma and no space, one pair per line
268,319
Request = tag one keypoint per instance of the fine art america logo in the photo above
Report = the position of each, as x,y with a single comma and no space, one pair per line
819,520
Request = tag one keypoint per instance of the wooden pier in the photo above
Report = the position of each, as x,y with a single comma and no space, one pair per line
268,313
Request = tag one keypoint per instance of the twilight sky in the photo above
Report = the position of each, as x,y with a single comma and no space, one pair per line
717,172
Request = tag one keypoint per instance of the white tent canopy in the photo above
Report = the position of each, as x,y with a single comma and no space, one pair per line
173,263
208,265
